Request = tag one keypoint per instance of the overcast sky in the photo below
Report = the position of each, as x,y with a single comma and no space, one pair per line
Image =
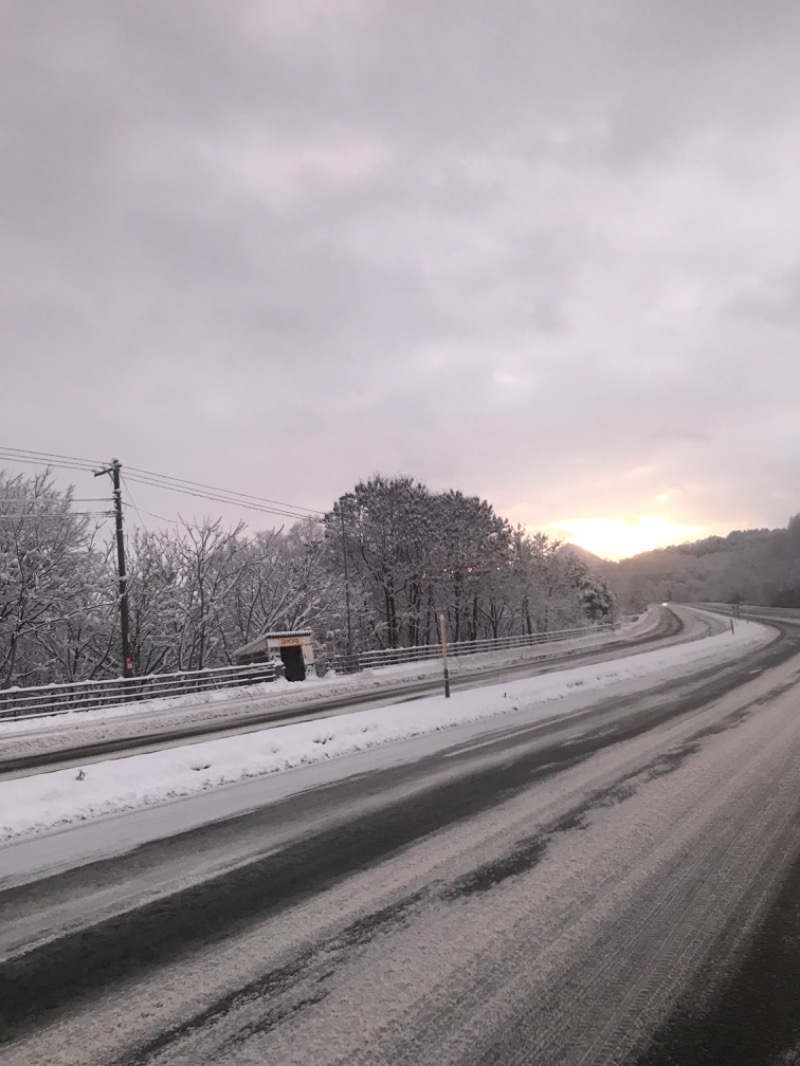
544,252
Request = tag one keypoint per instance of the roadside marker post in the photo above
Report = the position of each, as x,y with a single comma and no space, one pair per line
443,631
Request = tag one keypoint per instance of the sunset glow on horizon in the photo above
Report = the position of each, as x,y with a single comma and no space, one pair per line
618,538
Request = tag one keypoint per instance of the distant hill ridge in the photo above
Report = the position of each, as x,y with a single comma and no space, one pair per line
759,566
594,562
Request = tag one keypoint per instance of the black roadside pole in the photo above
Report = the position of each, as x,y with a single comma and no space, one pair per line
127,661
443,630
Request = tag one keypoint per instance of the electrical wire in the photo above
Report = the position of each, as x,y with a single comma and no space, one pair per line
162,518
28,455
72,499
222,498
235,501
49,463
216,489
166,482
125,478
141,511
49,455
127,489
63,514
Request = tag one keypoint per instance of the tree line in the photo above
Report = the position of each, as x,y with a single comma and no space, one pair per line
753,566
377,570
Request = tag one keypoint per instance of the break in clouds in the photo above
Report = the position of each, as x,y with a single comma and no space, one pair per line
545,253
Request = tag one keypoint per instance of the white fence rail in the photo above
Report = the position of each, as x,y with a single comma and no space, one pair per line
86,695
420,653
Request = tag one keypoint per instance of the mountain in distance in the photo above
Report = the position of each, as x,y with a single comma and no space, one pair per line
594,562
756,566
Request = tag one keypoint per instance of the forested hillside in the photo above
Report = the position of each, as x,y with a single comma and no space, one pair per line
391,550
758,566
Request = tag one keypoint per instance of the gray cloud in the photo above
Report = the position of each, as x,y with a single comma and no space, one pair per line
548,253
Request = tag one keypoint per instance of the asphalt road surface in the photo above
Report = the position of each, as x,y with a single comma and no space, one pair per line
622,886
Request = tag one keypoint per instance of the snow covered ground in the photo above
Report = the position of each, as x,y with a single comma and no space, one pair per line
282,693
218,710
43,802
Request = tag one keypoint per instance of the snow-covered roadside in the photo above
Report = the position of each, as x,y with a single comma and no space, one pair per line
20,737
277,691
35,804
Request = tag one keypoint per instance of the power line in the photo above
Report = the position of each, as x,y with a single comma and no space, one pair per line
63,514
222,498
50,464
166,482
28,455
140,510
128,490
217,489
162,518
34,499
50,455
235,501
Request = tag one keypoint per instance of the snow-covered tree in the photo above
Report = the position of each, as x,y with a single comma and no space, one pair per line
56,592
397,552
412,554
384,528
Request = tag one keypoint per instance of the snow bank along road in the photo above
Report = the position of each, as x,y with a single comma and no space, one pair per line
617,884
31,745
36,802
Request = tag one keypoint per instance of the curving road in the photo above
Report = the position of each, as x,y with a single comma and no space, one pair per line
616,886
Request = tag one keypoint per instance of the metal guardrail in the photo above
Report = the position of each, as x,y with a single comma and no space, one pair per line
57,698
61,698
423,652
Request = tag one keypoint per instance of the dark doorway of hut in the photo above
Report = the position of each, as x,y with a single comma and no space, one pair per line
294,663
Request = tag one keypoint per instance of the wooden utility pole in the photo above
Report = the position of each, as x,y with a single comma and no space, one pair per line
124,618
346,589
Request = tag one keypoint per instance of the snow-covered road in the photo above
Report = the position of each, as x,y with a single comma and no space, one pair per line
515,889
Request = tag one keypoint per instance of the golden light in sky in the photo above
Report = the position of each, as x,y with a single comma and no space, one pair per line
617,538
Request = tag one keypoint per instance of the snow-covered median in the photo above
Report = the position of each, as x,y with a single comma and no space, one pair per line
35,804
